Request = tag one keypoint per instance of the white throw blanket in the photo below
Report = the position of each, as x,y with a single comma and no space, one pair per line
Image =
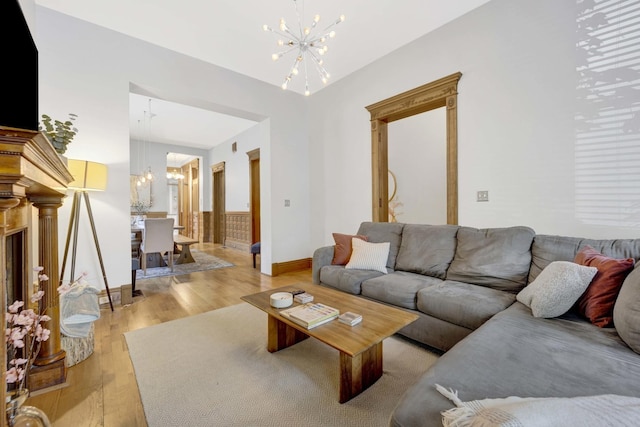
585,411
78,309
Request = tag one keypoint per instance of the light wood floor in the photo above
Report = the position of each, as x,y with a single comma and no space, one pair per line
102,390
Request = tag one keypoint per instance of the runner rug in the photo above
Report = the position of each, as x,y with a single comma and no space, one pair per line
203,262
213,369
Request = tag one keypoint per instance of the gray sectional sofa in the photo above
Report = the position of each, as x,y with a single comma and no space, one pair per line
463,282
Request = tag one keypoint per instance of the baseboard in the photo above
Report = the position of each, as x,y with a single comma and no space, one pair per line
116,297
234,244
290,266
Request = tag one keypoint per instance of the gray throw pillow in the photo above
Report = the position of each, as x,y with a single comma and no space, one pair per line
556,288
626,312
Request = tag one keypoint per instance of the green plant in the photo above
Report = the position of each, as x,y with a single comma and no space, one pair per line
59,133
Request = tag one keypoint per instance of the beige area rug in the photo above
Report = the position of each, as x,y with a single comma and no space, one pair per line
213,369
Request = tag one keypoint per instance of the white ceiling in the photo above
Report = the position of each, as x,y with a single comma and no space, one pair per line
229,34
165,122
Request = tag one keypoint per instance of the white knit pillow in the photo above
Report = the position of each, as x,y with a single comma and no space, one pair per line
369,256
556,288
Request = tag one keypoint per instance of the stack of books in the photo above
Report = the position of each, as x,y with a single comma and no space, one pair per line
303,298
350,318
311,314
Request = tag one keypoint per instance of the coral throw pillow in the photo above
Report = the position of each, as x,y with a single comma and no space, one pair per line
597,302
342,249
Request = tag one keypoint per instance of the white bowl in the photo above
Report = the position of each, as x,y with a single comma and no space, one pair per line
281,299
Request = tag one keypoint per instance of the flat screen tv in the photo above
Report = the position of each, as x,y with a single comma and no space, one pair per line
19,77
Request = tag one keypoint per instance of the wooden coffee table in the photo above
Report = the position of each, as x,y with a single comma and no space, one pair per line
360,346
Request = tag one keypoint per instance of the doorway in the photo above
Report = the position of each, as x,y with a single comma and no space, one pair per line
439,93
218,203
254,193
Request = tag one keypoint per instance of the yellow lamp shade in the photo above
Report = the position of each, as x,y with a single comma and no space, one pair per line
87,176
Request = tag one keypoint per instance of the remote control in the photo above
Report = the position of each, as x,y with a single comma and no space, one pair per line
297,292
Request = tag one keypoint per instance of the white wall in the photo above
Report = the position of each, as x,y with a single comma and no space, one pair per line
517,138
88,70
417,158
237,165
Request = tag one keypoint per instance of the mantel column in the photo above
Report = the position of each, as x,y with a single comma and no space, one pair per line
49,366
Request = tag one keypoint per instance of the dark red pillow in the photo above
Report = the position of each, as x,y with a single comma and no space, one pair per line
597,302
342,249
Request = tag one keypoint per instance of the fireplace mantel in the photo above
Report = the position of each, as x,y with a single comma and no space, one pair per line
33,176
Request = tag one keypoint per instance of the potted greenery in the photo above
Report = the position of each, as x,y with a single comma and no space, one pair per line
59,133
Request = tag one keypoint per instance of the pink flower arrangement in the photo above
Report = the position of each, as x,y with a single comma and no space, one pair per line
66,287
24,334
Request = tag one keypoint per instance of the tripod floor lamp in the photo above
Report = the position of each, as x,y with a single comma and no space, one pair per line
88,176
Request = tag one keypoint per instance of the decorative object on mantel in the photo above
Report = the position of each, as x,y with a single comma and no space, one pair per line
310,46
59,133
24,336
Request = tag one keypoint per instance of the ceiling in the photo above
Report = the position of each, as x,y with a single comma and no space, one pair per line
229,34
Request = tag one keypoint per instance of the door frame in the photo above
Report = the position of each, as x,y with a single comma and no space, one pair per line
218,198
254,195
439,93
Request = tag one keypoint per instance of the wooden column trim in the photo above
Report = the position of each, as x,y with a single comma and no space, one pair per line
51,350
5,204
379,168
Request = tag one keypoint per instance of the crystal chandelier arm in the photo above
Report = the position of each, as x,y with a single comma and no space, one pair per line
324,74
334,23
280,33
280,54
295,3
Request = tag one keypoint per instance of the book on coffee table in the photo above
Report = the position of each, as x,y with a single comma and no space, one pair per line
350,318
311,314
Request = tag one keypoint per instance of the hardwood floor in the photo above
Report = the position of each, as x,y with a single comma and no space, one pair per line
102,390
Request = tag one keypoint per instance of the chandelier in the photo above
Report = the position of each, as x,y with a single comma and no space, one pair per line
308,42
146,176
175,173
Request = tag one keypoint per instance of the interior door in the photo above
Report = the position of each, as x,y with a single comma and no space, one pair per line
254,177
218,203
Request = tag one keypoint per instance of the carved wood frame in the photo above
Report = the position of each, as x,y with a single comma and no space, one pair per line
439,93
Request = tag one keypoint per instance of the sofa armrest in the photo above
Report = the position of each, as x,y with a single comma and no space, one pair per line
321,257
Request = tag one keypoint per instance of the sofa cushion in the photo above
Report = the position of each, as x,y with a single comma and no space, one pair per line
336,276
495,257
398,288
557,288
342,249
515,354
597,302
378,232
427,249
626,312
462,304
547,248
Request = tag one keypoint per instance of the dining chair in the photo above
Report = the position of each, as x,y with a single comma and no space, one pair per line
157,237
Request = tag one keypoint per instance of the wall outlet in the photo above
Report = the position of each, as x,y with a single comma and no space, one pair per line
483,196
287,203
